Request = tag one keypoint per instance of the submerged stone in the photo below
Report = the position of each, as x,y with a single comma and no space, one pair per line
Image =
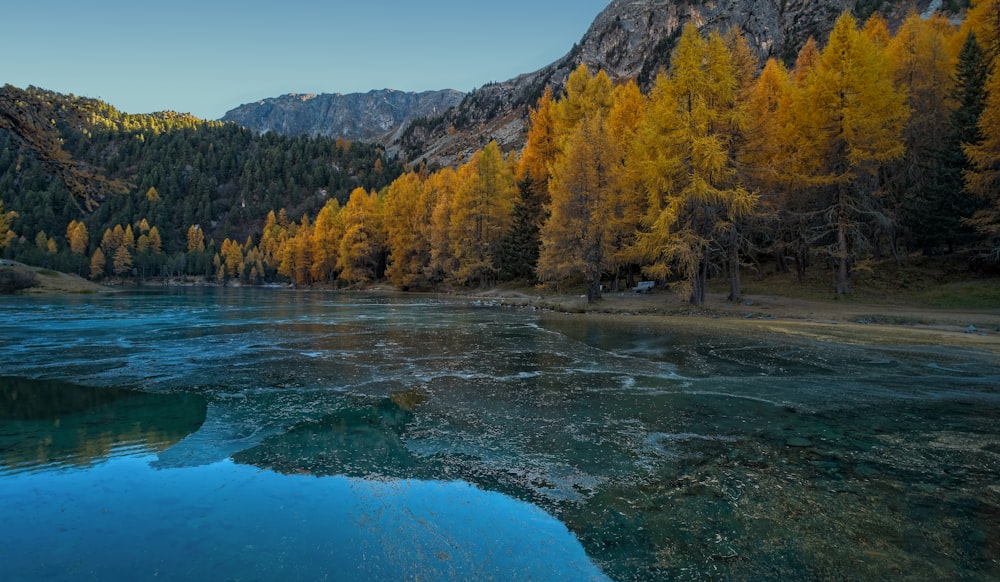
798,442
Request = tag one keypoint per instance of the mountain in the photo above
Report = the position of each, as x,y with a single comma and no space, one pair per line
630,39
356,116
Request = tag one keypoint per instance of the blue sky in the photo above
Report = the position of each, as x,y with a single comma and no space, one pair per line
206,57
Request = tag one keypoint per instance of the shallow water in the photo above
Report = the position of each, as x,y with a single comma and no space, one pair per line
261,434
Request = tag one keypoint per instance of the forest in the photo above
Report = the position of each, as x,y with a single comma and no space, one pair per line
874,146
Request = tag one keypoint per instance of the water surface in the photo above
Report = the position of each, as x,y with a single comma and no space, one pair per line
265,434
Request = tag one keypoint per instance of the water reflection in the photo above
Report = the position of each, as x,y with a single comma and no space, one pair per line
45,423
82,472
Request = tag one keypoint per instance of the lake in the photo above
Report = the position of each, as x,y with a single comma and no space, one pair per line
256,434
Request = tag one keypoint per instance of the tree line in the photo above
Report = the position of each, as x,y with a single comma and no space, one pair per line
874,145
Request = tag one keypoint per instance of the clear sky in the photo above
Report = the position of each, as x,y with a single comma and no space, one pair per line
206,57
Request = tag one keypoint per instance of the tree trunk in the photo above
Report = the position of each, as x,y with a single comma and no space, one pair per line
593,289
734,264
843,269
699,283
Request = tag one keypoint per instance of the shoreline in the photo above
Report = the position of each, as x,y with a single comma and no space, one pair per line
840,321
837,320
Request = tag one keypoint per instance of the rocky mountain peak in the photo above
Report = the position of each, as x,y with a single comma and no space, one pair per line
356,116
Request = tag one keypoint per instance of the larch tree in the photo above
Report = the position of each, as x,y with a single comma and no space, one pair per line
686,160
624,202
195,239
763,156
849,120
586,95
155,241
441,186
574,241
122,261
540,149
408,213
983,178
325,242
6,219
480,216
296,260
98,263
983,19
360,247
77,237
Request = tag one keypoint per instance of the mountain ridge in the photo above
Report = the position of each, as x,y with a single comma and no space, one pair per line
353,116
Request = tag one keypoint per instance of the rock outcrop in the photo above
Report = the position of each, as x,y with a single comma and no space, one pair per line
356,116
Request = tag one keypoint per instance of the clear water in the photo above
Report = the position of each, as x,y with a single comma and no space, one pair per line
256,434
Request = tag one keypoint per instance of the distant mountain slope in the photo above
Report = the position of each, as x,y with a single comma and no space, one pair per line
356,116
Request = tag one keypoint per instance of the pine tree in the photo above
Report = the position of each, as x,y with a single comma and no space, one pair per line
935,216
520,246
926,180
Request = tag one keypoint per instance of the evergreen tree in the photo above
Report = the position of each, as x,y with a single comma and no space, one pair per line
935,220
520,246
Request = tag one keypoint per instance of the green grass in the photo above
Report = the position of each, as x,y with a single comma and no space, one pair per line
974,294
917,281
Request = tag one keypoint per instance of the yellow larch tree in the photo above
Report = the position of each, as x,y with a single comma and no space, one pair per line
441,187
685,157
849,118
6,219
983,179
195,239
408,212
540,147
98,263
77,237
296,260
983,18
325,242
360,248
122,261
575,243
480,215
624,202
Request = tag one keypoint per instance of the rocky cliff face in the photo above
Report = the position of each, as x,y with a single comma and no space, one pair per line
357,116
